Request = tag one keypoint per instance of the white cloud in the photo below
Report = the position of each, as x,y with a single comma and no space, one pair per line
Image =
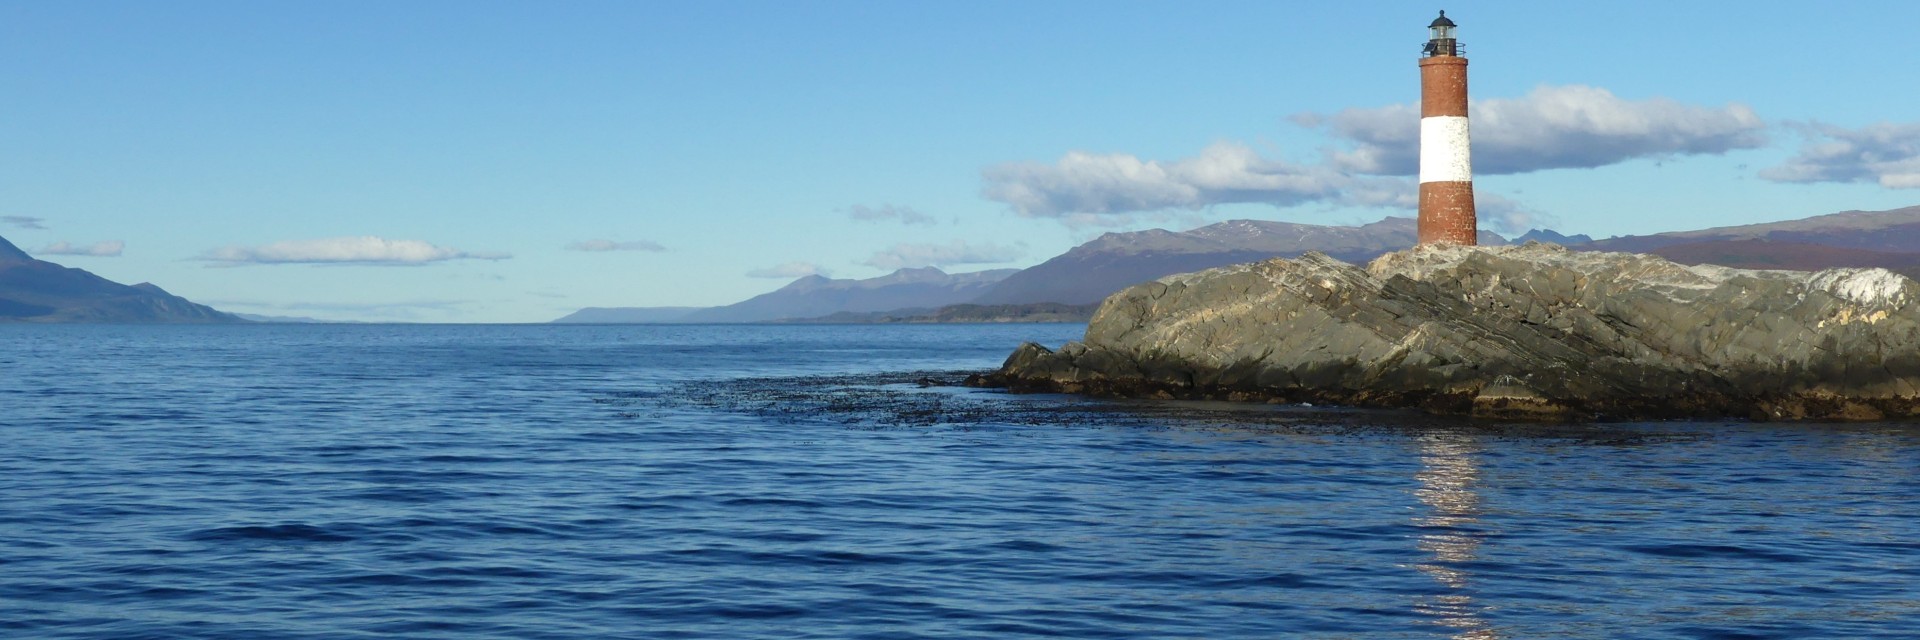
906,215
1887,154
1087,191
1550,128
108,249
364,250
24,222
1086,183
1072,192
610,245
904,255
1509,217
788,270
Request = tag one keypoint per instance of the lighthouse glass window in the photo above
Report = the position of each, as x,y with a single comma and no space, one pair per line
1443,33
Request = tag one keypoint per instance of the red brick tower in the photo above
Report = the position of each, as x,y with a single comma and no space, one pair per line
1446,166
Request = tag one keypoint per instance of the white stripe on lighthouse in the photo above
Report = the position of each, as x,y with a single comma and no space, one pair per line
1443,150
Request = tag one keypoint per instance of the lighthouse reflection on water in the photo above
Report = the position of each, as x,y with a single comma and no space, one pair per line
1448,478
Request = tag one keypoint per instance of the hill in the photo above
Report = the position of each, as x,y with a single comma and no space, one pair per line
40,291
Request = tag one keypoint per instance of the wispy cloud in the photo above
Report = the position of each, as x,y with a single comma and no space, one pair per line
1549,128
611,245
886,212
904,255
108,249
1887,154
361,250
24,222
789,270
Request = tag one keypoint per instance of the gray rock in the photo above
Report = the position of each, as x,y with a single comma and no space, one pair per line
1532,331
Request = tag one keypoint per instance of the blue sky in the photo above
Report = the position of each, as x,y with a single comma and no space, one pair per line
514,161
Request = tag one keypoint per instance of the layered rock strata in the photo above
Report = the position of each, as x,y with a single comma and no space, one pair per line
1533,332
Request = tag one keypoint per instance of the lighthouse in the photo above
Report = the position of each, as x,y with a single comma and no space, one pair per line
1446,166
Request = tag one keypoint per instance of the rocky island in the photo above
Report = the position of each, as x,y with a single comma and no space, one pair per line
1528,332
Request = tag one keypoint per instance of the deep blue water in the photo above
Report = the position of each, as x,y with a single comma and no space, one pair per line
597,482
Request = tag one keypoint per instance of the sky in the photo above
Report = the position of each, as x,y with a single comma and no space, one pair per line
483,161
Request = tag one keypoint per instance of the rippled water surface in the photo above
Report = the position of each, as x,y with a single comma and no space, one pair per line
770,482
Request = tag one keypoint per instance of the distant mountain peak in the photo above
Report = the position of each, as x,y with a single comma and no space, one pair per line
909,274
925,270
10,253
1555,237
1244,227
1393,222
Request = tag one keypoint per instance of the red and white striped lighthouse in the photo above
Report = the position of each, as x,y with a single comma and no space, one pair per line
1446,166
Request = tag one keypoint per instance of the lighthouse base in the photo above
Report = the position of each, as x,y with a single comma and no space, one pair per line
1447,215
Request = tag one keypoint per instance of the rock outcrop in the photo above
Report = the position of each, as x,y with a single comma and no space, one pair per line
1533,331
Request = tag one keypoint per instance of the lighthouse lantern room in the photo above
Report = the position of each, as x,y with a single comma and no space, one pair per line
1442,43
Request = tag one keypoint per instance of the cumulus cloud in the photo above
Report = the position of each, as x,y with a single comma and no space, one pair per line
1095,190
1087,183
1887,154
24,222
1072,191
610,245
789,270
1550,128
885,212
901,256
108,249
362,250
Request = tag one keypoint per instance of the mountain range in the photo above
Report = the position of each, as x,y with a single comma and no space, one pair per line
1063,287
1887,239
1066,285
1090,272
39,291
819,295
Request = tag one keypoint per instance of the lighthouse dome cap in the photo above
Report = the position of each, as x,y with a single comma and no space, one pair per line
1442,21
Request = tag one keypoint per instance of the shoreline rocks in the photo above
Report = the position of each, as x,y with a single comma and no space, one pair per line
1532,332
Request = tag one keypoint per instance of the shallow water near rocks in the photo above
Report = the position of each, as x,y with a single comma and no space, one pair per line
820,482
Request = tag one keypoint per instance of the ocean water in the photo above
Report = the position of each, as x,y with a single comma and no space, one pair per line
812,482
